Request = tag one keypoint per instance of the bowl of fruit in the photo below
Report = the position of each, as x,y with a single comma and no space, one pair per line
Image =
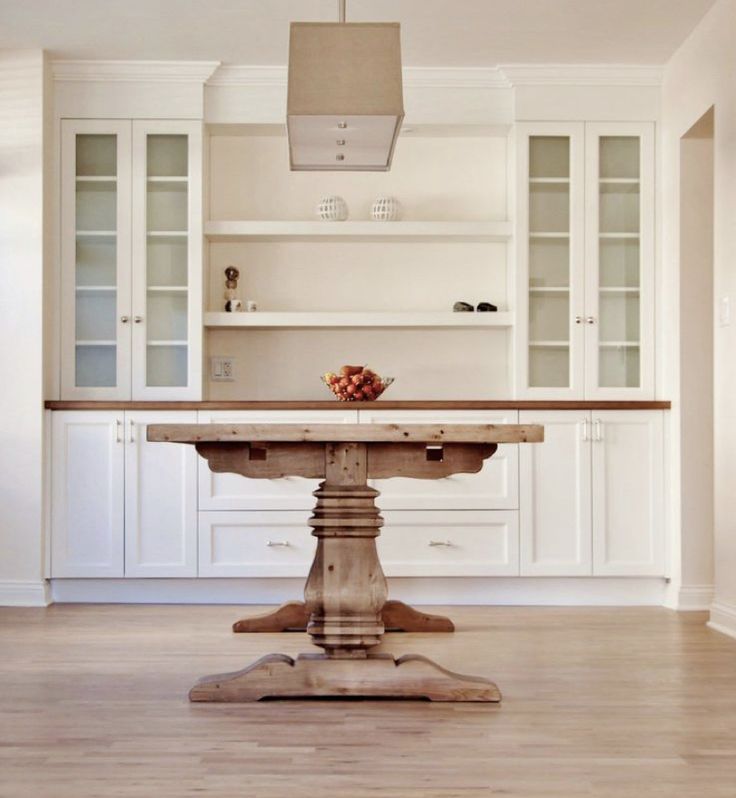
356,384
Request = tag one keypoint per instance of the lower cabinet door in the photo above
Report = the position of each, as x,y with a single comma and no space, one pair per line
236,492
628,493
160,499
450,543
494,487
555,506
255,543
87,505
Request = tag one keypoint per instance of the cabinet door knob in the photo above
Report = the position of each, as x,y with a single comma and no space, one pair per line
137,319
125,319
578,319
440,543
590,320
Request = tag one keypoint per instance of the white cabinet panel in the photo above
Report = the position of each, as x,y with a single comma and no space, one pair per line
269,544
87,494
495,487
235,492
450,543
160,499
628,499
555,512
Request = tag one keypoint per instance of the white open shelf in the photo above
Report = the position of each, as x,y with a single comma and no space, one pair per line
257,230
261,319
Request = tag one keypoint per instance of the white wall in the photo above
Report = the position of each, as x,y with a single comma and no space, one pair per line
699,75
22,84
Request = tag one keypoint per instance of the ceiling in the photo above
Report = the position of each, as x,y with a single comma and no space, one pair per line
447,33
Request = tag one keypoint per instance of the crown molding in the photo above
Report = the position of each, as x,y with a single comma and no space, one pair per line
133,71
414,77
581,75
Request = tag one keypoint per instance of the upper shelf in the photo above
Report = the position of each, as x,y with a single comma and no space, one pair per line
255,230
301,319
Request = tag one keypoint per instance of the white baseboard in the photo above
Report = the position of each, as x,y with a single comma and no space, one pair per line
695,597
24,594
723,618
574,591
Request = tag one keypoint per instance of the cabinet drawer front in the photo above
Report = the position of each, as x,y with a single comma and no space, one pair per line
460,543
494,487
235,492
255,544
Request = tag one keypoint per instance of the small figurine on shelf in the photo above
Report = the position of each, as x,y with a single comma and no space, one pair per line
232,303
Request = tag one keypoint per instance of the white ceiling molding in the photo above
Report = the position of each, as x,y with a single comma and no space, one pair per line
581,75
133,71
414,77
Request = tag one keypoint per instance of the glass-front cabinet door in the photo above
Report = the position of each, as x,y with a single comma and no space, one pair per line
95,259
620,260
550,231
167,260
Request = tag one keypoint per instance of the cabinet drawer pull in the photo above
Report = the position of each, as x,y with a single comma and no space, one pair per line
440,543
273,543
598,430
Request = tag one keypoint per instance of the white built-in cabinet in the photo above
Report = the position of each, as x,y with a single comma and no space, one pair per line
592,496
589,501
121,506
585,260
131,259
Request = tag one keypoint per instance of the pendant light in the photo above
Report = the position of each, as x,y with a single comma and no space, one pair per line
345,98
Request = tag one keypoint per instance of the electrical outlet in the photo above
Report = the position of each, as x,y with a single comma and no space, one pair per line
222,369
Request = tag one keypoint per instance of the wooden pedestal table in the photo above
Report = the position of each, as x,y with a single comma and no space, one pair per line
346,590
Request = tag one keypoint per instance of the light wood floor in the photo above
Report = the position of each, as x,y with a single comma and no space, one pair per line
597,702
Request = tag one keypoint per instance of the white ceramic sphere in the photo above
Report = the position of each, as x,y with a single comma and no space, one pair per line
386,209
332,209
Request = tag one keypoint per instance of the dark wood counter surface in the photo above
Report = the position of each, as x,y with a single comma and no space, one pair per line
381,404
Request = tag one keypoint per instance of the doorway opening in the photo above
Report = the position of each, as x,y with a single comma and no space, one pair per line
697,304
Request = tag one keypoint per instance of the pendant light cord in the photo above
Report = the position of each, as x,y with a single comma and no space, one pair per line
341,11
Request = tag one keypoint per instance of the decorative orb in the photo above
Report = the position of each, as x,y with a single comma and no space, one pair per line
332,209
386,209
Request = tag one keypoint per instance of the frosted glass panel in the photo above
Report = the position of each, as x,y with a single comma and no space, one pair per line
549,207
619,367
96,366
619,263
549,262
549,317
166,366
96,205
167,262
549,367
167,206
167,316
95,311
168,156
619,208
619,271
96,155
619,157
167,296
619,312
549,156
96,264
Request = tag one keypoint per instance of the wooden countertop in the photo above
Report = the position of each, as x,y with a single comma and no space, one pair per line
381,404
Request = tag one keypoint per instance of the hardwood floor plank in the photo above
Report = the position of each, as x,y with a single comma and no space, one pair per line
635,702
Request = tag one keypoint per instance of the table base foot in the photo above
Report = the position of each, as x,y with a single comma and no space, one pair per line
318,676
293,617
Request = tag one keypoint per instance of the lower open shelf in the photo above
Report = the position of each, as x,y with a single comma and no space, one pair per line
292,320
